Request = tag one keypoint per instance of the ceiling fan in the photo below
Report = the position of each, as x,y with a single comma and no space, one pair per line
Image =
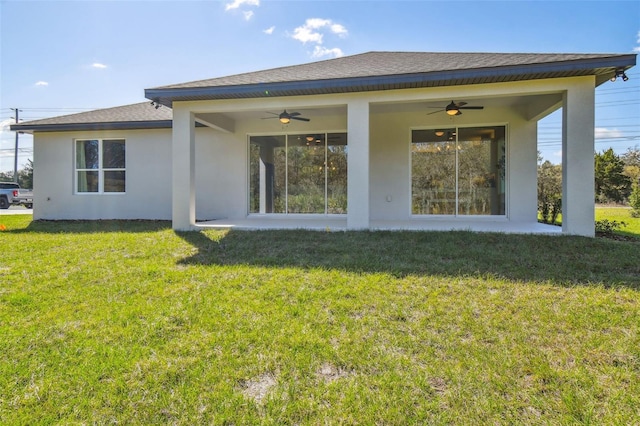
454,108
285,117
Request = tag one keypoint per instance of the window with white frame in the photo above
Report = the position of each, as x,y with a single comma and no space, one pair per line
100,165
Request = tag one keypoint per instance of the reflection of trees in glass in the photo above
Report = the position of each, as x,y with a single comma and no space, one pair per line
87,154
98,161
279,183
433,177
305,188
113,154
336,178
254,178
473,156
298,174
475,178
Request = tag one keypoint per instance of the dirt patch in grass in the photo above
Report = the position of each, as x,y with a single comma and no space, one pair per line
329,373
258,387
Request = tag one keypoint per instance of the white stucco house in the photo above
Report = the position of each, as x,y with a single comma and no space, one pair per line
379,140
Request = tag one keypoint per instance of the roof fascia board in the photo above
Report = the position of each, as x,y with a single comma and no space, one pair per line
119,125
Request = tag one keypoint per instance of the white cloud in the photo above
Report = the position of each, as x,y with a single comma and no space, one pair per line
319,52
41,83
604,133
339,30
312,30
98,65
637,48
4,124
247,15
269,30
558,154
306,33
237,3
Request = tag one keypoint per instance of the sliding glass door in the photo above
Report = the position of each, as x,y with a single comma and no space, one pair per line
298,173
458,171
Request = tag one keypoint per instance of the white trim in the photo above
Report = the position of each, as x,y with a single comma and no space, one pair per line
100,170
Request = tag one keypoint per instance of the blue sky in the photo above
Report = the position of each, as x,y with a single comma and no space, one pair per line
61,57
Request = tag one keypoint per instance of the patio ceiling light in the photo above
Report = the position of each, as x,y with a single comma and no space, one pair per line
452,109
284,119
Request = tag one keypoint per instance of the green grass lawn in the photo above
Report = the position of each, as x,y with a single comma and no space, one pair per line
620,214
631,227
133,323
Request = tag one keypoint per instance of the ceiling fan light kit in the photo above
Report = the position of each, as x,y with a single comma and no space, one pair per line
285,117
454,108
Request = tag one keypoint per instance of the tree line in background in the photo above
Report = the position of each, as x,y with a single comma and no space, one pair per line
25,176
617,180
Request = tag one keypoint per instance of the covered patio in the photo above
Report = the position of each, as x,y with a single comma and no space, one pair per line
410,163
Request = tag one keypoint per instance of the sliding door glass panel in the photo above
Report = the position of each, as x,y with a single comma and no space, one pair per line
254,177
306,174
480,171
337,173
267,174
433,172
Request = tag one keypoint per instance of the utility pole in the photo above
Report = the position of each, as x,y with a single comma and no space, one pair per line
15,157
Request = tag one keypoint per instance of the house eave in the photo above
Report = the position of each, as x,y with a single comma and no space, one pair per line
603,68
70,127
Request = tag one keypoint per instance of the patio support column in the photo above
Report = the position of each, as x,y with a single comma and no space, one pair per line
358,165
183,155
578,192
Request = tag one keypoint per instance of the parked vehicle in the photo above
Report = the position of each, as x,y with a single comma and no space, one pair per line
12,194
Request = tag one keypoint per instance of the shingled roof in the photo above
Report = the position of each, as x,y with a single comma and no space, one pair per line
136,116
394,70
357,73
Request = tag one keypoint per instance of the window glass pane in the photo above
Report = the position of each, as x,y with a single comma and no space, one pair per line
267,174
114,181
306,174
88,181
87,154
113,154
337,173
254,178
481,171
433,172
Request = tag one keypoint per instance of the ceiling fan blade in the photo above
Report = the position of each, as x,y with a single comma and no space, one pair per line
268,118
435,112
299,118
471,107
293,114
459,104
